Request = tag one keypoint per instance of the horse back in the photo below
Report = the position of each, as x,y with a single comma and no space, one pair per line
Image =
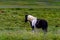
41,23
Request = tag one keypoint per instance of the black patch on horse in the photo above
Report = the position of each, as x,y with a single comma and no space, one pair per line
26,18
41,24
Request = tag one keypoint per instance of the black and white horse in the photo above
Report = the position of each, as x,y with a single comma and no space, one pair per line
37,23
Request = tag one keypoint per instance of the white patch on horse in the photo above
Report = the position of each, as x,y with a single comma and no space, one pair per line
34,22
32,19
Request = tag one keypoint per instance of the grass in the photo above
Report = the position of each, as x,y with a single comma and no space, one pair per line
27,35
13,27
16,16
31,3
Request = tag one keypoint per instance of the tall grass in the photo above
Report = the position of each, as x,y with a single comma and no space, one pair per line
13,27
27,35
14,17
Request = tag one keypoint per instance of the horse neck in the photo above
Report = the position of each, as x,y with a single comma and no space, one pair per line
33,19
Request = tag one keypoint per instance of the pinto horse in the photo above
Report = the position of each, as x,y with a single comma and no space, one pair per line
37,23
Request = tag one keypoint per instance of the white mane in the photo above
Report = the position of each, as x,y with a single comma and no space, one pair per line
30,17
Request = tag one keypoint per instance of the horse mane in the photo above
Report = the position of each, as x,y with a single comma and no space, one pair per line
30,17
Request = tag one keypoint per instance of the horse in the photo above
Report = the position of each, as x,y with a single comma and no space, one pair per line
37,23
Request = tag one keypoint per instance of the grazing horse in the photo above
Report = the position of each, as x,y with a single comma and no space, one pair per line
36,23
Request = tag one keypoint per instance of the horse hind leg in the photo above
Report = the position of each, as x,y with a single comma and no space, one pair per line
45,31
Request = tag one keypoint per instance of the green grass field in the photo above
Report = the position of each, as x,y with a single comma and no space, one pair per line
13,27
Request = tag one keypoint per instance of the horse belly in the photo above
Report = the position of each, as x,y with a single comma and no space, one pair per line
38,25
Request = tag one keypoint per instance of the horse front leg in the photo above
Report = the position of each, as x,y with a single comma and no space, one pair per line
32,28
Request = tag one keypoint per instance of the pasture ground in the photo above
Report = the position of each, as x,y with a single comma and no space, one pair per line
13,27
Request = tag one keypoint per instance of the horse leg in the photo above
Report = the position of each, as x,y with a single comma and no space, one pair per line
45,30
32,28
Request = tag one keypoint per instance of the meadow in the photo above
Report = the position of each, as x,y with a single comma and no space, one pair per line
13,27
